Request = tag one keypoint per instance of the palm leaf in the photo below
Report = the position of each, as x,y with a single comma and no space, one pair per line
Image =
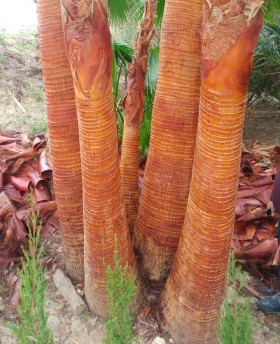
265,80
271,11
160,11
121,10
123,52
152,74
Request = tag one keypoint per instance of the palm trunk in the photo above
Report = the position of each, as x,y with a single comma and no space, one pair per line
195,288
90,52
174,125
133,112
63,133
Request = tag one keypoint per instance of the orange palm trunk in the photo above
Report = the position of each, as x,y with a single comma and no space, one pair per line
90,52
174,125
63,133
195,288
133,112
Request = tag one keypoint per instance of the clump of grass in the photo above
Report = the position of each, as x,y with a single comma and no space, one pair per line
236,323
26,39
3,36
33,318
2,58
39,126
37,94
121,287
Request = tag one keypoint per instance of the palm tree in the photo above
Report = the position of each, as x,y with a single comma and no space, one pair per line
63,133
90,53
195,288
133,110
173,133
208,179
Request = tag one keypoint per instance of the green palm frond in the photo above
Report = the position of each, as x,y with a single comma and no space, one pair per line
265,80
160,11
268,50
121,10
152,73
271,11
145,129
123,54
123,51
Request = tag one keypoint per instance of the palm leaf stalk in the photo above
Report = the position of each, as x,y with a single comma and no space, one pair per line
63,134
133,112
90,52
173,134
195,289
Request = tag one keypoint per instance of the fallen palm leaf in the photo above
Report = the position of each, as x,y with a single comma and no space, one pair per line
24,165
254,232
263,252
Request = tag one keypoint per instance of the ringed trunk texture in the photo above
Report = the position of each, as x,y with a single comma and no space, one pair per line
195,289
133,112
173,133
89,47
64,135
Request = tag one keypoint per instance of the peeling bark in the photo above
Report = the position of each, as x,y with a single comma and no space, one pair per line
195,288
88,43
133,112
63,133
173,133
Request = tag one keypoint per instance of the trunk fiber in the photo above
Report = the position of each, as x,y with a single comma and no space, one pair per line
195,288
64,135
133,112
174,125
90,52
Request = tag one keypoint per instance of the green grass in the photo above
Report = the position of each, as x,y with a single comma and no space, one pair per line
25,39
33,318
39,127
236,323
121,287
36,94
3,36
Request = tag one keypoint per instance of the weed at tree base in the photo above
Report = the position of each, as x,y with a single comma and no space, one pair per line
33,325
236,322
121,287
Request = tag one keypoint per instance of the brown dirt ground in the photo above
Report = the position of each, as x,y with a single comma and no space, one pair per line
21,79
262,126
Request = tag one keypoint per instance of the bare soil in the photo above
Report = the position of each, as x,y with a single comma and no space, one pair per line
262,126
23,109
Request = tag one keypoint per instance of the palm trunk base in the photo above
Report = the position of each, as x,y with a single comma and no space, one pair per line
97,299
154,261
74,262
196,329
